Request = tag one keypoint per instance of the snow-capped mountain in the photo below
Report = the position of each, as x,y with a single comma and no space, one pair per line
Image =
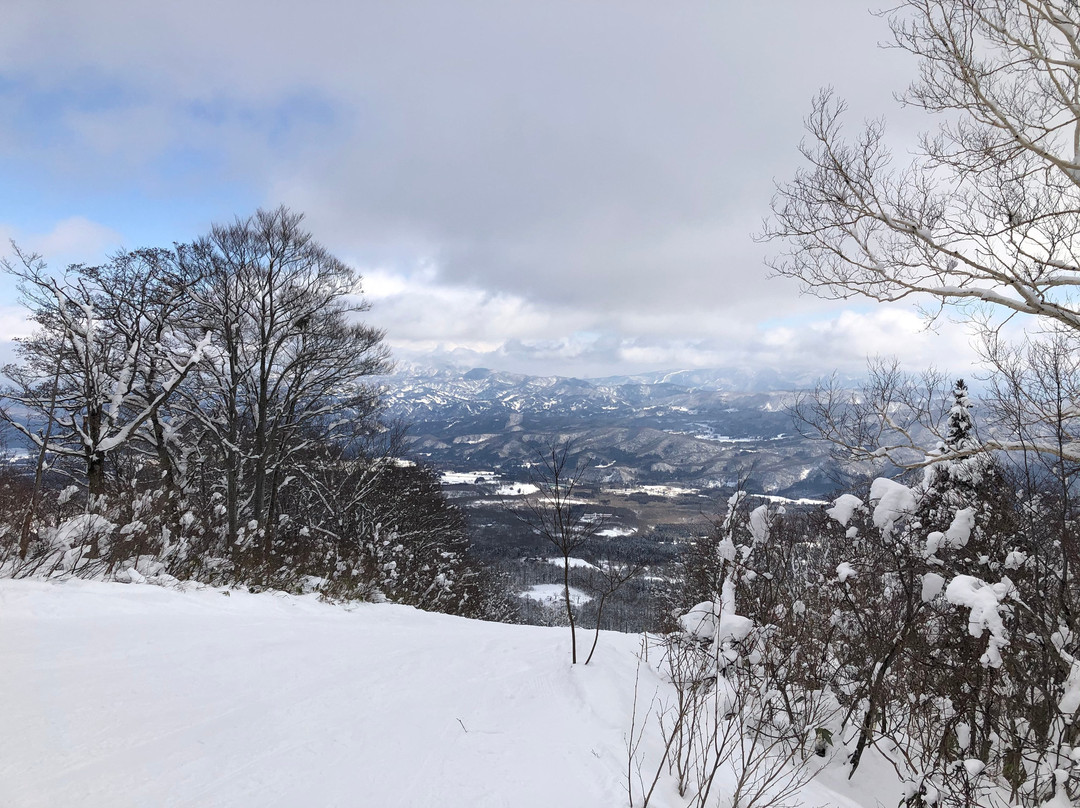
683,426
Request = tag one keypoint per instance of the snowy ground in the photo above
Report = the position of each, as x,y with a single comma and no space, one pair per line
468,477
116,695
665,491
552,593
579,563
516,490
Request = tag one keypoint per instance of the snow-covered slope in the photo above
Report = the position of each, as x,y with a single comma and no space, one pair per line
116,695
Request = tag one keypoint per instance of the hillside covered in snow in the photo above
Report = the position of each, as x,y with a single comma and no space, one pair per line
137,695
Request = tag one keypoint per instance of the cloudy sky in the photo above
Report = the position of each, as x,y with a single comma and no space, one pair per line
559,186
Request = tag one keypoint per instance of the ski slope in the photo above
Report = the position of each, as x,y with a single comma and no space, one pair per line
126,695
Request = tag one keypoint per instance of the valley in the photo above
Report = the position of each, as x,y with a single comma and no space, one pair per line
633,431
660,455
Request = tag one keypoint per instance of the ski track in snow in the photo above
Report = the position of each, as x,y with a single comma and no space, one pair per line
138,696
116,696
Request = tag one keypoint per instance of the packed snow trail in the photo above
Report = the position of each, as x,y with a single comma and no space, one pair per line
141,696
135,695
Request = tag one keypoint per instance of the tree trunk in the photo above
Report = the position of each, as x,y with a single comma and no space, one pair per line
569,609
95,481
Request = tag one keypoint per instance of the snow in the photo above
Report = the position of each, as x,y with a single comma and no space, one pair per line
844,570
958,534
759,524
1059,800
82,528
714,438
893,502
844,508
574,562
779,500
665,491
131,695
118,696
712,621
516,490
467,477
1070,699
963,735
130,576
932,584
67,494
553,593
1015,559
616,532
985,604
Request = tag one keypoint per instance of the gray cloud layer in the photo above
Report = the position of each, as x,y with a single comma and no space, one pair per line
569,180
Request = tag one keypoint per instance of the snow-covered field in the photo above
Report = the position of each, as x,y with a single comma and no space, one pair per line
577,563
554,593
483,477
115,695
467,477
665,491
516,490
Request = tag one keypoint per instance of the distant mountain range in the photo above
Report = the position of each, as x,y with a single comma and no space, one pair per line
705,428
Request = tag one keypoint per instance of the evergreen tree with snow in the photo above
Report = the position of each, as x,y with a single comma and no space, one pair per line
959,472
963,524
964,516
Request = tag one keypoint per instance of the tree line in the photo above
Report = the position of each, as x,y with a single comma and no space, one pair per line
209,411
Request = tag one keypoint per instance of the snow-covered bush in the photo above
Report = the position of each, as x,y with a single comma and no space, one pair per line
745,728
937,611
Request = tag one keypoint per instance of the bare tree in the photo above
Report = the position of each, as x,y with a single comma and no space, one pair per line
215,403
984,217
105,358
288,365
554,512
608,580
987,210
892,418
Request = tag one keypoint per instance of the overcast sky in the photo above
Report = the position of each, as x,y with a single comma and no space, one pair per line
544,186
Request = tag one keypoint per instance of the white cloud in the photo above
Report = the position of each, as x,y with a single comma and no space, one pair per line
72,240
562,186
75,239
14,323
428,318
